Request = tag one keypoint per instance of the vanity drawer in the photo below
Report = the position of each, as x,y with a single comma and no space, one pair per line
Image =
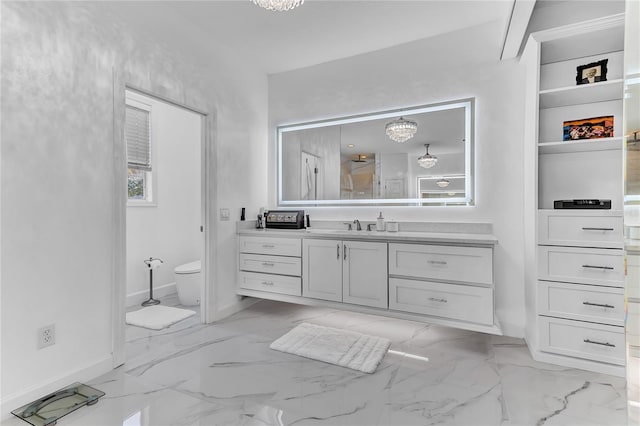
581,302
447,263
271,264
280,284
581,230
454,301
271,245
581,265
598,342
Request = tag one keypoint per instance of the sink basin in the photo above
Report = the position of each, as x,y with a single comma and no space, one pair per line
339,231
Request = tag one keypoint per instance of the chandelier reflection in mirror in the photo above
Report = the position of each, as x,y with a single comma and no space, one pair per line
278,5
442,183
401,130
427,160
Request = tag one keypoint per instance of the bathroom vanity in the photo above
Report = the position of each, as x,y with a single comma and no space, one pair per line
437,277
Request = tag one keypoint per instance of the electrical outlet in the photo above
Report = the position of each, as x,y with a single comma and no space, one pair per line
46,336
224,214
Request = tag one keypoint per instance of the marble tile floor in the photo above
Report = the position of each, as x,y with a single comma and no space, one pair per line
225,374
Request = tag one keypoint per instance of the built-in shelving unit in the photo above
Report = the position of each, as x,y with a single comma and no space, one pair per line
574,258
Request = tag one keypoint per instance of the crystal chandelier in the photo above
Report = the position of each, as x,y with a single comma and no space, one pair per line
278,5
401,130
442,183
427,160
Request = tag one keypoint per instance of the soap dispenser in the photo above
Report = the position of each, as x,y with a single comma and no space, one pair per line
380,223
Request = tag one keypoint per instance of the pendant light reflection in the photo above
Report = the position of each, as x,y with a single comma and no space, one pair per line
278,5
401,130
442,183
427,160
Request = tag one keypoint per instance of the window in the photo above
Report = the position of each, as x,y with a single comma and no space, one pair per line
137,133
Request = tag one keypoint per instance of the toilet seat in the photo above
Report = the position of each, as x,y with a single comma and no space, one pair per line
188,268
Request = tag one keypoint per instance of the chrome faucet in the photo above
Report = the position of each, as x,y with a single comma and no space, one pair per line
349,227
357,222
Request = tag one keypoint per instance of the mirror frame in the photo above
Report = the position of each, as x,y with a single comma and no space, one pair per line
469,198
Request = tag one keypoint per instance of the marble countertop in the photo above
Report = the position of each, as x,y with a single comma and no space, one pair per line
402,236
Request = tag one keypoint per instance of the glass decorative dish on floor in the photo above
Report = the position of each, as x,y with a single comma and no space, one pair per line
47,410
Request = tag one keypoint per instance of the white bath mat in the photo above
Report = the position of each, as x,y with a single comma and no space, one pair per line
341,347
157,317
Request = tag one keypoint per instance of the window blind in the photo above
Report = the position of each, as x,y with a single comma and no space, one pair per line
138,138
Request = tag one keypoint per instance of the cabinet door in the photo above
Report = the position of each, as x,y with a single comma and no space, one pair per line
322,269
364,273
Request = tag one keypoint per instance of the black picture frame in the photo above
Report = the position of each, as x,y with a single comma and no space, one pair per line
599,70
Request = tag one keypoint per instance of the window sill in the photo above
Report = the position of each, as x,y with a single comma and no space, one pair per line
141,204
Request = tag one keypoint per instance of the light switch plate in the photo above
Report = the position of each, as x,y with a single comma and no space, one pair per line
224,214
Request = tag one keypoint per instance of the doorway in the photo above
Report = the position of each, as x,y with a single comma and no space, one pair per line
165,207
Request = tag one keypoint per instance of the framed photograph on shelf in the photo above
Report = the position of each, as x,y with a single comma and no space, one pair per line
588,128
592,73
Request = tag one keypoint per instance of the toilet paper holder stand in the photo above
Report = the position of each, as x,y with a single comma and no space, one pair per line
150,264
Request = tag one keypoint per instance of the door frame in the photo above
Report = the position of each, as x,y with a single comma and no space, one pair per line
207,112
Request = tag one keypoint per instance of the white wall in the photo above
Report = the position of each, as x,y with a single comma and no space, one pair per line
59,60
457,65
169,227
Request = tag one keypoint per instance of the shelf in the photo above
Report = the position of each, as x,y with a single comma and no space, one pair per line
586,145
581,94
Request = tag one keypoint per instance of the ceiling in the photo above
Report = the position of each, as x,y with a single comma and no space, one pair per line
316,32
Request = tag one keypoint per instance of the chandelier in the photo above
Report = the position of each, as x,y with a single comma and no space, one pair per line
442,183
278,5
427,160
401,130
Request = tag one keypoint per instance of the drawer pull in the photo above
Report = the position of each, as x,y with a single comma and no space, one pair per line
602,305
597,229
437,262
338,251
433,299
268,246
593,342
268,264
267,282
598,267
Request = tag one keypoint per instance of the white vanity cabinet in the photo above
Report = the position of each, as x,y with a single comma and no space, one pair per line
270,264
436,277
451,282
345,271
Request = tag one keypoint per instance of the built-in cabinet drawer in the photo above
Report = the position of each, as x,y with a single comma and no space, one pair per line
598,342
271,264
581,265
585,229
280,284
454,301
446,263
581,302
271,245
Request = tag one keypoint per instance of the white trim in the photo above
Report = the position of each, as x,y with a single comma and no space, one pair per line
83,374
140,296
584,27
517,28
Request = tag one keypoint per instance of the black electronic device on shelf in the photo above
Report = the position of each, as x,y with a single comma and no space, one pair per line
285,219
582,204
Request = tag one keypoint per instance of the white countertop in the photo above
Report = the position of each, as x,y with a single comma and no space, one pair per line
403,236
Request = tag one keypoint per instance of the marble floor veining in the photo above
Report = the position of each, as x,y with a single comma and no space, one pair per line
225,374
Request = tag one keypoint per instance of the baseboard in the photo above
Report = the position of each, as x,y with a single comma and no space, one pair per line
581,364
84,374
243,303
140,296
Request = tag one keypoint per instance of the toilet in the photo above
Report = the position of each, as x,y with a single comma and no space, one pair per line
188,283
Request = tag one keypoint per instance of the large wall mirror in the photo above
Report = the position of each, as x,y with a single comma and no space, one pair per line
415,156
